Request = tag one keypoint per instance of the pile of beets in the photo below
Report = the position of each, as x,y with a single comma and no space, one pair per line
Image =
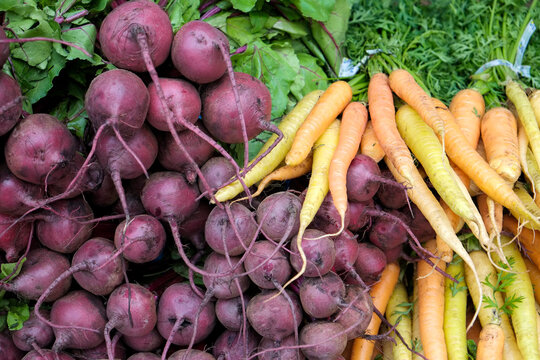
92,220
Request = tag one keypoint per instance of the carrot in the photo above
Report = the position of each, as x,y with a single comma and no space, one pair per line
422,196
404,85
534,99
487,272
443,250
427,149
492,214
533,174
380,293
353,124
289,126
486,178
538,320
398,315
332,102
526,199
527,238
468,107
431,306
369,144
491,342
387,347
317,188
455,310
499,135
526,116
534,275
524,315
523,144
285,172
416,343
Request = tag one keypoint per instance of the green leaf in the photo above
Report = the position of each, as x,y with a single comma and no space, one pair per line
276,65
239,28
243,5
315,9
35,82
182,11
331,37
7,269
84,36
96,5
34,52
471,349
311,74
258,20
294,29
18,313
219,20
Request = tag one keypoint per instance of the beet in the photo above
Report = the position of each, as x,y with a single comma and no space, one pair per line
419,225
275,317
66,230
217,171
47,355
224,286
78,309
358,216
182,98
17,196
120,31
105,195
144,356
279,215
131,309
177,309
4,49
199,52
192,228
346,247
231,345
321,296
230,312
10,98
220,112
191,355
355,315
34,333
41,268
100,352
13,238
327,218
89,270
167,195
220,234
172,157
143,240
390,196
289,353
39,148
275,270
148,342
320,253
8,350
387,232
370,263
326,340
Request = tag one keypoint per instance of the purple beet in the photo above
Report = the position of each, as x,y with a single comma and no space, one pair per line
358,217
231,345
217,171
279,215
275,270
148,342
370,263
46,355
356,312
17,196
224,286
327,218
4,48
390,196
387,233
8,350
266,353
230,312
220,234
322,296
10,99
143,240
34,333
191,355
13,239
320,253
325,340
346,247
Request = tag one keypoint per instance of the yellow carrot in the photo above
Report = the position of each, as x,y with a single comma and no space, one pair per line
332,102
318,186
455,310
398,315
289,125
524,315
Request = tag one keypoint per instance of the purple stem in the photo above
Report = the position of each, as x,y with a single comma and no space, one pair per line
211,12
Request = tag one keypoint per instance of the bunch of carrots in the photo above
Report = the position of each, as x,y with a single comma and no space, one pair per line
466,152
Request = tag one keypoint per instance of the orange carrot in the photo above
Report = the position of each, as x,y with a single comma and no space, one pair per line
353,124
492,214
332,102
534,275
370,144
404,85
491,343
380,293
468,107
499,135
528,238
485,177
431,305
